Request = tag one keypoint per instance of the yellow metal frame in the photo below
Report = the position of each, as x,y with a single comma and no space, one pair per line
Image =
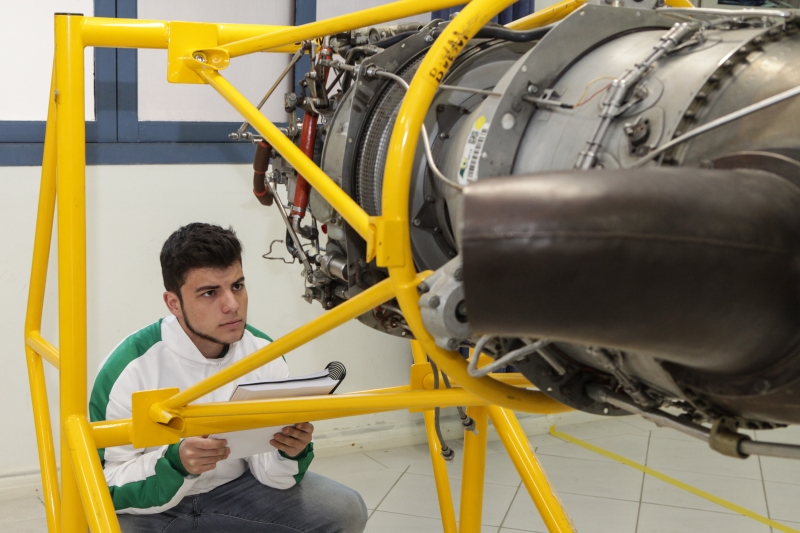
197,52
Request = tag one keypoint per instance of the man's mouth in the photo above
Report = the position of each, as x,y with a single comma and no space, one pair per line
232,323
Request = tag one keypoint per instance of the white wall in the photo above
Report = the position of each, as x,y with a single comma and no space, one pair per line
26,37
130,212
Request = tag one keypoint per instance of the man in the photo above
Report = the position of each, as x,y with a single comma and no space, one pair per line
192,486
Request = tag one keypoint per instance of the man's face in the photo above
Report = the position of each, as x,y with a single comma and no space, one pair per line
213,310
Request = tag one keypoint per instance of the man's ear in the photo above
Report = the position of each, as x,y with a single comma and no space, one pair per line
173,303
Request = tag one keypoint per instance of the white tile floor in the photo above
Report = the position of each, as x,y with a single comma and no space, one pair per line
600,494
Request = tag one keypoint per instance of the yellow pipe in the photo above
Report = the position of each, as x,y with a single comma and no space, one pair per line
678,3
136,33
108,433
71,169
547,15
344,205
43,348
395,205
544,497
360,19
472,473
91,482
33,318
515,379
369,299
440,475
357,401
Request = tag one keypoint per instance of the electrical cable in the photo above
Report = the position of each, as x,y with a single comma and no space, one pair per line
466,420
730,117
447,452
426,144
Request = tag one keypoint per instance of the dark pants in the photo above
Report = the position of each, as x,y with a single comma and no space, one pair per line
315,505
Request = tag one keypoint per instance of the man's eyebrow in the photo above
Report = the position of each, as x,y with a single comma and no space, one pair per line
205,288
240,280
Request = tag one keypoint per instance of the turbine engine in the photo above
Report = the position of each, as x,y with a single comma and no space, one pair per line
610,204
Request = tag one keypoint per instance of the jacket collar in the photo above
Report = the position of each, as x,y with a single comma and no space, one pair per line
177,341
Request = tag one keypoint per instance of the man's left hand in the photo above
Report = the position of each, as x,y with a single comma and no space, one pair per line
293,439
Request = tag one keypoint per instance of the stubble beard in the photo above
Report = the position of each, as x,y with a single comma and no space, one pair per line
204,335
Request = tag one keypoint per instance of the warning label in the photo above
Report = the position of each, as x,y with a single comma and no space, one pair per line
473,150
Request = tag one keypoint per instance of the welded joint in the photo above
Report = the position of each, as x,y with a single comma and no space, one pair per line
388,238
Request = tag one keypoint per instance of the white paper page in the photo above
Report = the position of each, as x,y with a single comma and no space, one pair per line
249,442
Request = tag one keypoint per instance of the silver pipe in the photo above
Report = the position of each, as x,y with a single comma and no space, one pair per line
295,59
292,234
426,143
730,117
728,13
772,449
660,418
468,90
507,359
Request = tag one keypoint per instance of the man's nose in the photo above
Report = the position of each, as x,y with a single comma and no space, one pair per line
229,303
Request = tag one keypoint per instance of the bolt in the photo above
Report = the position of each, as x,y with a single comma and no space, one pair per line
444,135
434,302
200,57
532,89
417,222
452,344
329,304
459,274
422,288
429,38
437,229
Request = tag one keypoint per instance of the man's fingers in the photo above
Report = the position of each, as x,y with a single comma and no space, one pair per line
305,427
211,444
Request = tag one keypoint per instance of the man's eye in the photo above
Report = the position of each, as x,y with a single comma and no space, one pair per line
238,286
208,293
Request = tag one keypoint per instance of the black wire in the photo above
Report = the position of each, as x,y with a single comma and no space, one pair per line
446,452
499,32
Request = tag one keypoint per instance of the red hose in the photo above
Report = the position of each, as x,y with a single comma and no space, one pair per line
303,189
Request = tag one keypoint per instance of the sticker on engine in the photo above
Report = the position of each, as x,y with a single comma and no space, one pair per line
473,151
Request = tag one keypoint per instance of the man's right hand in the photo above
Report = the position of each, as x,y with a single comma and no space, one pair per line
201,454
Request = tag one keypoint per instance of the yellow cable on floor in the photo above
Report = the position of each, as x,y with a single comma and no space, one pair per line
672,481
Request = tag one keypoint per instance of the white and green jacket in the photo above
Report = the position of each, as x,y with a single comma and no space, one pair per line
152,480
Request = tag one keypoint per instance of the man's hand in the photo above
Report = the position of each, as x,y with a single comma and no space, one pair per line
201,454
293,439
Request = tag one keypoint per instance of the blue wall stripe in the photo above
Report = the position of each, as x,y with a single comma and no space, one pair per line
216,132
30,154
105,81
127,82
305,11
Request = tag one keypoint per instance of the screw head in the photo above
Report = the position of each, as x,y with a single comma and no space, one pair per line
434,302
452,344
459,274
417,222
429,38
200,57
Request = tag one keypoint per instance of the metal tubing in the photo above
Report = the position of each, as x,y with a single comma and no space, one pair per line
91,482
346,206
352,308
402,147
135,33
546,16
544,497
440,475
417,399
43,348
302,189
351,21
71,168
473,472
34,351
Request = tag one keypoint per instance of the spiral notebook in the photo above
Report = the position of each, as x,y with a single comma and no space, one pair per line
256,441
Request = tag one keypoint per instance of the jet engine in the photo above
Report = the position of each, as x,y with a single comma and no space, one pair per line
610,204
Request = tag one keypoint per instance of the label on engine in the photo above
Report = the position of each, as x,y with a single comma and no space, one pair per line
473,151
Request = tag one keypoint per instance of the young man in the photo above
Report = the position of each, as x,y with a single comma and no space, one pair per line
192,486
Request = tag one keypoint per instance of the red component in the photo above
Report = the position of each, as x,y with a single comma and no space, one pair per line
324,228
303,189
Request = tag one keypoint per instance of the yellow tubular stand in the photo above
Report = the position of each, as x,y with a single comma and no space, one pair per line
472,472
534,478
34,349
71,149
83,499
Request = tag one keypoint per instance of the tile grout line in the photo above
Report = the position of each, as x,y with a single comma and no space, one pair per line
388,491
380,463
503,521
764,486
641,492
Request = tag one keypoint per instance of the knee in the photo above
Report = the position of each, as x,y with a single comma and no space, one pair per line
352,512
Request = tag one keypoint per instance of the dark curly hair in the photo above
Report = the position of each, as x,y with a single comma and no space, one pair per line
197,245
